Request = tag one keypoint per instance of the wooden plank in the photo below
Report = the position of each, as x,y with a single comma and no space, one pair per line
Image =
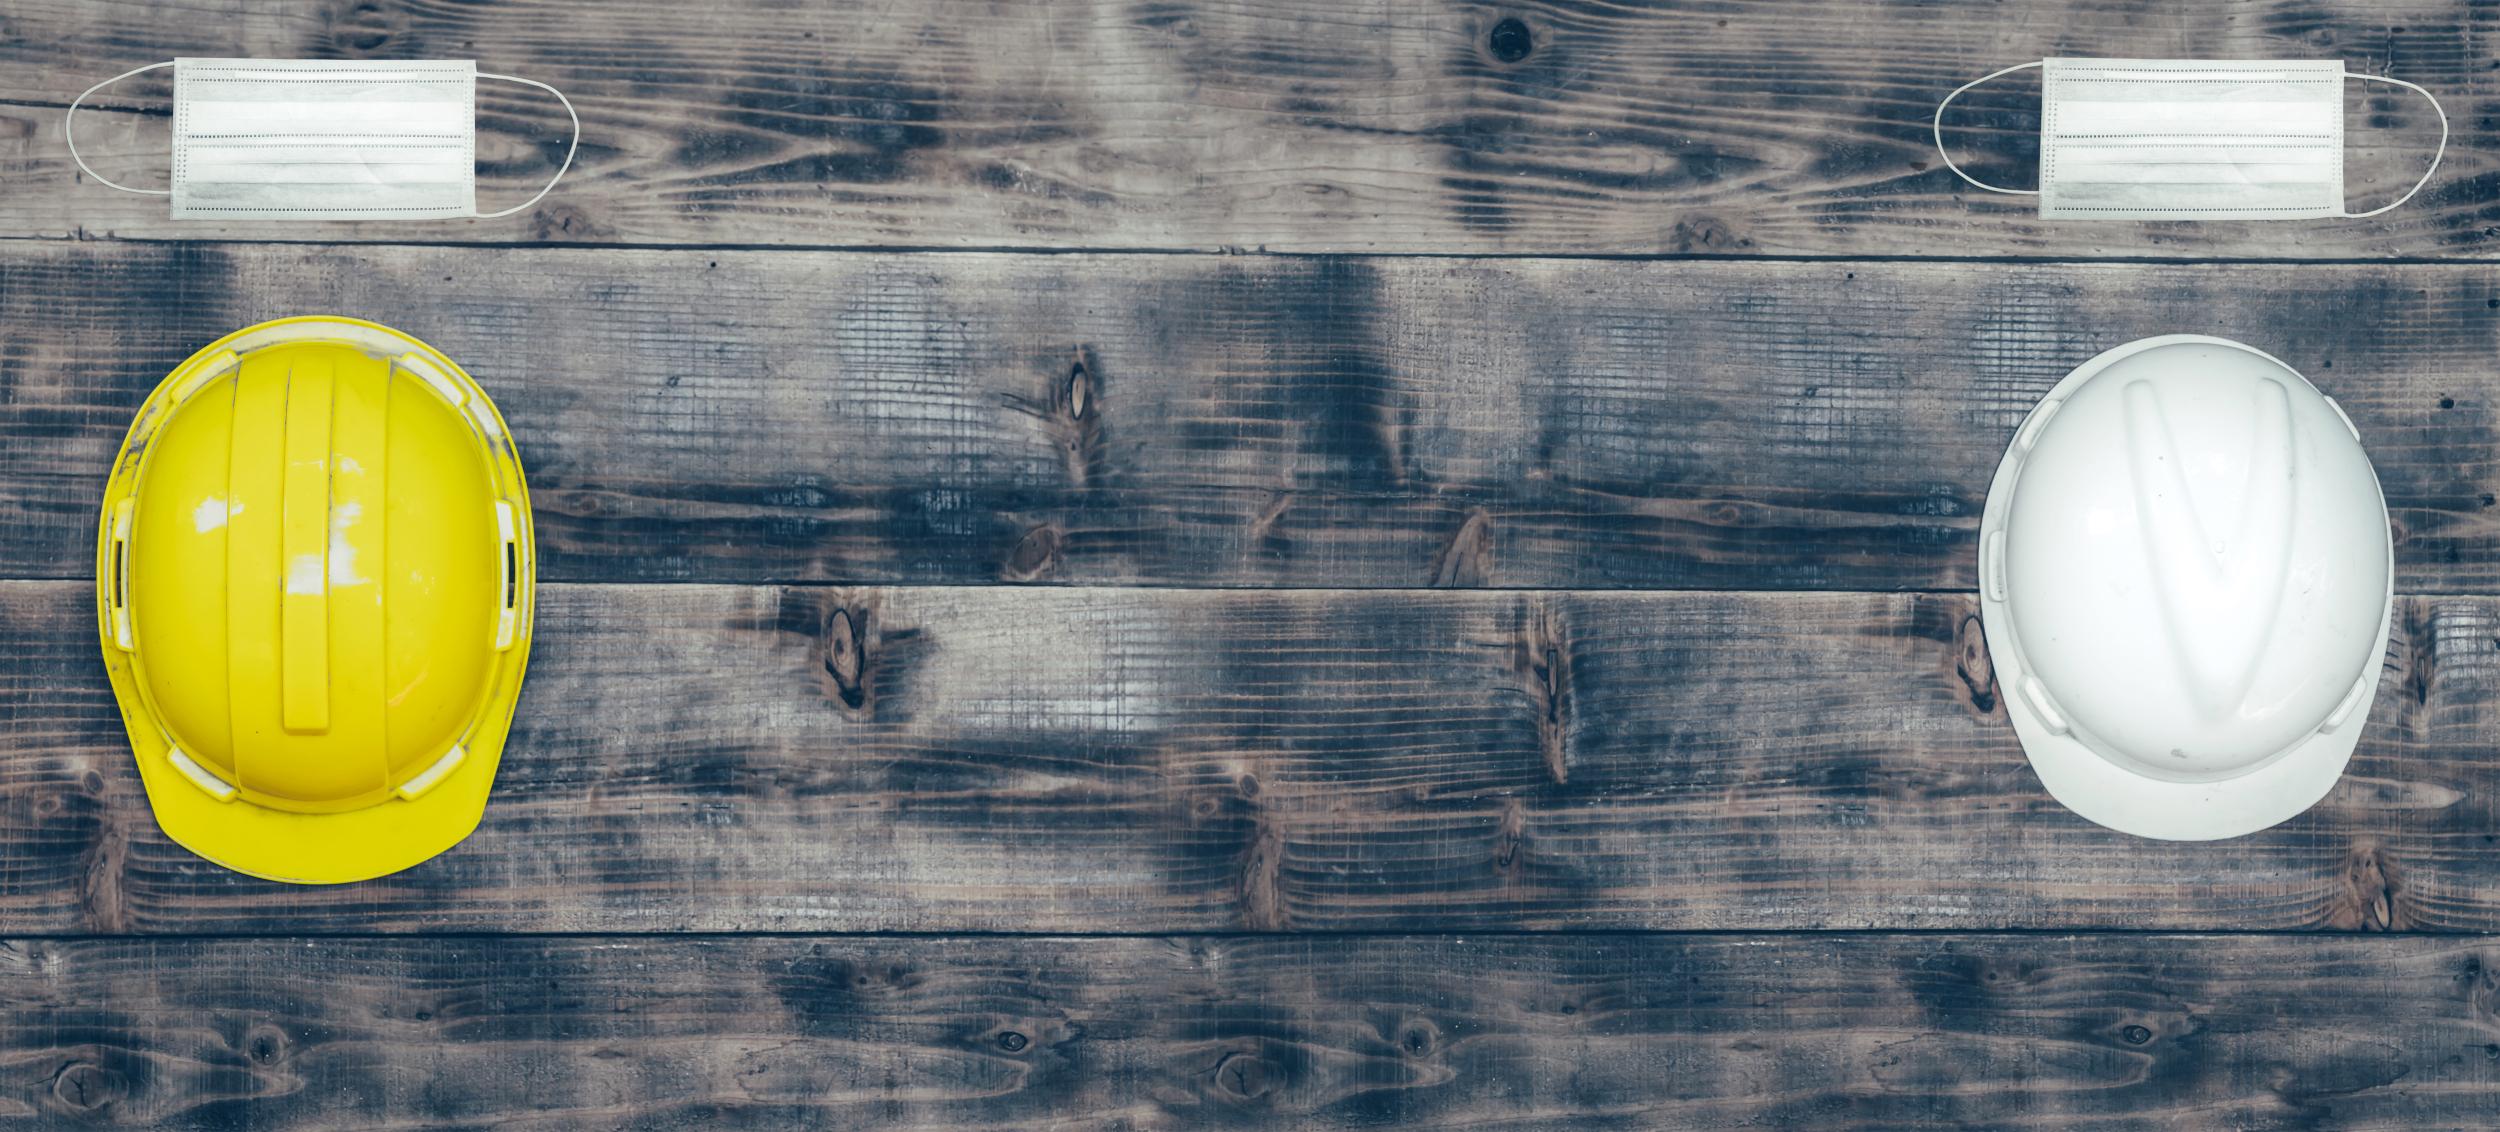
1829,1032
994,759
743,417
1715,128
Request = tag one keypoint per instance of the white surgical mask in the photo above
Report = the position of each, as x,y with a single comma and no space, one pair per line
317,139
2187,139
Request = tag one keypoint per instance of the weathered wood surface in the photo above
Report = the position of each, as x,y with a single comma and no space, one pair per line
1831,1032
994,759
1184,420
1717,128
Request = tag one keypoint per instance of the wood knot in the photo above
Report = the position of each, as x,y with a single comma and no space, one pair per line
845,637
1541,655
1011,1041
1705,234
1510,839
564,222
580,504
1036,555
2136,1035
86,1087
1074,413
2418,622
264,1044
1419,1039
2475,982
1510,40
1245,1076
1464,562
1262,897
1078,400
1972,665
363,30
2371,886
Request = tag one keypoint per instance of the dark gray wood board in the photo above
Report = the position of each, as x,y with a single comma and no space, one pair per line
1841,1032
993,759
1711,128
1259,421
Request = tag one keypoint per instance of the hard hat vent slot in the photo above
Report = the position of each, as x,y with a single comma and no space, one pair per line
121,576
508,619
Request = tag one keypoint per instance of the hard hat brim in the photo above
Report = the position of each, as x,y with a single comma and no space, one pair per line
332,848
2091,784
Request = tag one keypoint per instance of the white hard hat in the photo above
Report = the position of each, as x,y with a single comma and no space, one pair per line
2185,577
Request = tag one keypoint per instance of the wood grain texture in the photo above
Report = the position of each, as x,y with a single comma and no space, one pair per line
1838,1032
1205,421
997,759
1726,127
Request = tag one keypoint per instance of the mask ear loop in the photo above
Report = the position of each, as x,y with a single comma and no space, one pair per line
1948,158
69,131
568,149
2443,141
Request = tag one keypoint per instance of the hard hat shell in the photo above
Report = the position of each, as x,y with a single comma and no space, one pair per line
314,583
2185,579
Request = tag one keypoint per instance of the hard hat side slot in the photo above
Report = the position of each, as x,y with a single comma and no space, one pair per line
508,617
121,575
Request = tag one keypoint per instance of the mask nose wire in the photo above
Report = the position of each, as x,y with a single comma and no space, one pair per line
1948,158
2443,141
69,131
568,149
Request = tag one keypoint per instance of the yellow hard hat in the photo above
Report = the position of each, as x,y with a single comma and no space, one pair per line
313,581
